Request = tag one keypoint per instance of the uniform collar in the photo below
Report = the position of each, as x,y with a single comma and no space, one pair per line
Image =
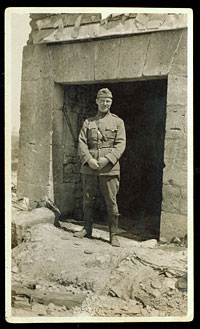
101,116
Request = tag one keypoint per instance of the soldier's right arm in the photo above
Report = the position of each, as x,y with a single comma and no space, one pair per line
83,150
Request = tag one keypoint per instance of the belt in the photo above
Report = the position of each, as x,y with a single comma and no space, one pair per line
97,146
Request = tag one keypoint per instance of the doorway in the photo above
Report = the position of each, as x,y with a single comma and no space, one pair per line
142,106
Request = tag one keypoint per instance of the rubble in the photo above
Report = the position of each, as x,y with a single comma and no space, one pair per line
135,281
23,220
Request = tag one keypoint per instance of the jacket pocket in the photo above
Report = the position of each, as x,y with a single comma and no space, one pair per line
110,132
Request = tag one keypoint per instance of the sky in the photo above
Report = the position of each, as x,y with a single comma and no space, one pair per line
20,30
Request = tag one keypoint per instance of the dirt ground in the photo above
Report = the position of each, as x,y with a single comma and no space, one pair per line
139,279
143,278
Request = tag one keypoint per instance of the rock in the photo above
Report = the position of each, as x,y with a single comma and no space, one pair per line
170,283
176,240
155,293
124,308
22,221
22,304
181,283
88,252
149,243
170,273
51,307
156,284
163,240
154,313
136,309
103,259
40,309
23,203
38,286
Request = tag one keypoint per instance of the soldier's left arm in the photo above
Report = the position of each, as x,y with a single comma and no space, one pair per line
119,144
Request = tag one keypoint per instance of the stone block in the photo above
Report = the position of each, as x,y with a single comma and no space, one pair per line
132,56
173,225
106,59
57,136
33,164
64,197
173,174
171,198
36,110
73,62
176,148
160,52
175,121
58,96
31,190
36,63
177,90
179,61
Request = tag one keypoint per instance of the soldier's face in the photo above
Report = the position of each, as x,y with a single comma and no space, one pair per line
104,104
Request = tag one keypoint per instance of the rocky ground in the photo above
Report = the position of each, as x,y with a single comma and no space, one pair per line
138,279
55,274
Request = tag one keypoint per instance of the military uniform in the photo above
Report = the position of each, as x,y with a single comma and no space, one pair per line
101,136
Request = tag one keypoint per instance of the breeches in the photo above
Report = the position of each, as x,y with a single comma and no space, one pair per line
109,187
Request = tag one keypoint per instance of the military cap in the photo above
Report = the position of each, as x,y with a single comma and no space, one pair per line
104,92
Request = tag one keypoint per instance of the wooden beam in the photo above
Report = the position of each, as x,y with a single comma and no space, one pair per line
46,297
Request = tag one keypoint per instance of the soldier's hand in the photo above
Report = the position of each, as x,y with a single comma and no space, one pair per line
93,164
102,162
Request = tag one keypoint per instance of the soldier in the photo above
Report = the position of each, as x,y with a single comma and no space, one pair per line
102,141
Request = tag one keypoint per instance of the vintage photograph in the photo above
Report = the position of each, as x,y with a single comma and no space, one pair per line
99,164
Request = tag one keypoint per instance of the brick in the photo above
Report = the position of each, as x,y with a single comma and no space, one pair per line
177,90
172,225
106,59
132,56
160,52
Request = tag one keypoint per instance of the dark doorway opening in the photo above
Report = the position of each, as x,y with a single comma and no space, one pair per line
142,106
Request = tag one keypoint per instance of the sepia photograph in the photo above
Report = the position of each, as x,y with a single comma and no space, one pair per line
99,164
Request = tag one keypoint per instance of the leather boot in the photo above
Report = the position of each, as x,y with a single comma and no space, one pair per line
113,225
87,229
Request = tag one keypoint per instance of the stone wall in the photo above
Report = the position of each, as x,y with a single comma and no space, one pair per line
174,204
137,57
39,105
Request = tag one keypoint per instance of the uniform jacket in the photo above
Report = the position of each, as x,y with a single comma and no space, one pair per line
102,137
